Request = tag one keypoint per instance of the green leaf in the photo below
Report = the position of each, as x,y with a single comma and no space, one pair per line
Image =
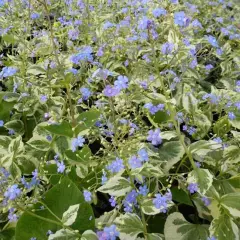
177,228
129,226
64,234
168,135
81,170
39,142
87,120
231,203
236,122
16,125
63,129
202,177
179,195
224,228
36,70
9,38
70,215
58,199
79,157
16,146
222,126
7,234
232,154
148,207
171,153
155,236
89,235
116,186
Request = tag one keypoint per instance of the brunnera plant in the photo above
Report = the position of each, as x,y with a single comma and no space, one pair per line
119,119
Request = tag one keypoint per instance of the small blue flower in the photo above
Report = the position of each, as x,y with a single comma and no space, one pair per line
159,12
212,40
61,167
49,138
73,34
87,196
8,72
217,140
206,201
160,202
143,190
121,82
167,48
211,238
143,155
11,216
86,93
134,162
231,116
104,178
43,98
110,233
179,18
11,132
110,91
144,23
12,192
1,123
112,201
154,137
116,166
77,142
192,187
35,15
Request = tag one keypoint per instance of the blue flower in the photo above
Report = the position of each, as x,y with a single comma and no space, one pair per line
212,40
144,23
130,201
143,155
179,18
154,137
206,201
1,123
73,34
211,238
110,91
35,15
109,233
159,12
61,167
87,196
231,116
77,142
11,216
11,132
196,23
107,25
85,55
8,72
12,192
113,202
143,190
192,187
104,178
167,48
134,162
160,202
121,82
208,67
217,140
191,130
43,98
86,93
116,166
